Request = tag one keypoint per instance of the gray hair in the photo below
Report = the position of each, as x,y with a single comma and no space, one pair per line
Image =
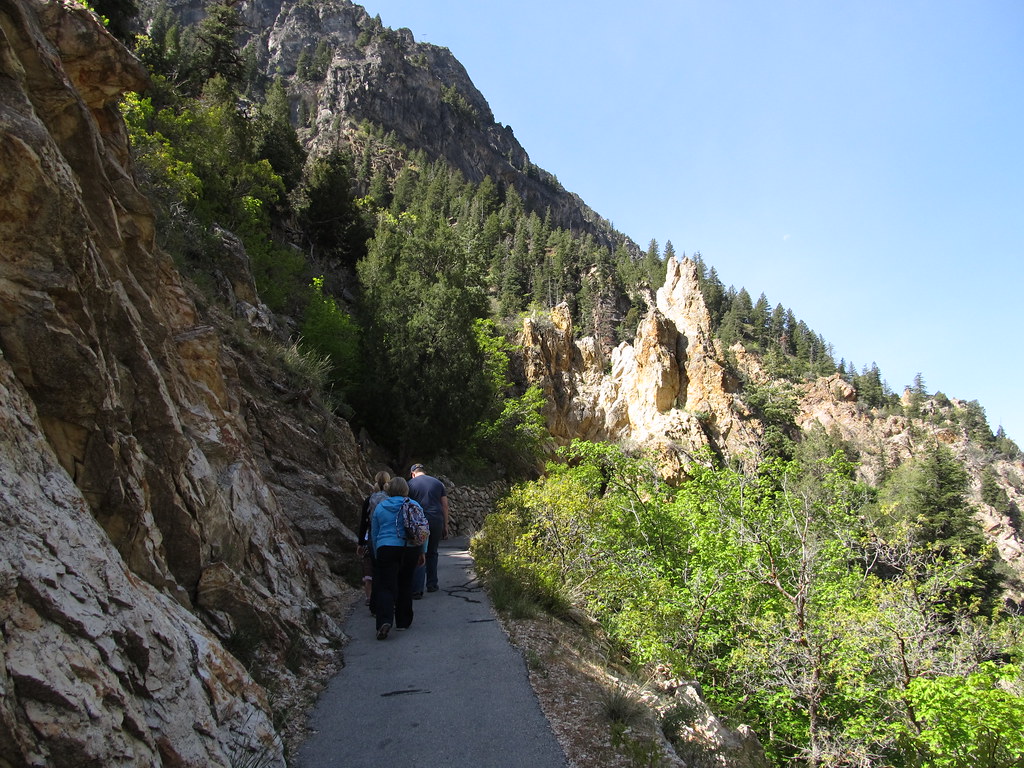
397,487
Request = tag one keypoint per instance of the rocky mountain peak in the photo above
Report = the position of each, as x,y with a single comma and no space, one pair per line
417,91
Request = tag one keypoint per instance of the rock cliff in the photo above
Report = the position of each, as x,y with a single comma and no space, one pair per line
417,91
670,390
166,493
674,392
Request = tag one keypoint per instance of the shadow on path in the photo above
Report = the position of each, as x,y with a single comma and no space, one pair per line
450,691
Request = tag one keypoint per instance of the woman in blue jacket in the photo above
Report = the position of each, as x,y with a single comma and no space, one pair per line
394,562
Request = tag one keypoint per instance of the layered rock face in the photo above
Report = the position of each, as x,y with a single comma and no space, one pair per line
99,667
671,392
668,391
160,498
886,441
418,91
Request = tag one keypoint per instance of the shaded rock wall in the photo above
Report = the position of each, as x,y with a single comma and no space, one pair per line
165,495
99,667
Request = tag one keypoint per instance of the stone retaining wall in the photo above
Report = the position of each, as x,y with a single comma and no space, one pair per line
468,505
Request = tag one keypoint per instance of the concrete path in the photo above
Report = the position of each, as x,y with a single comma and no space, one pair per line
450,692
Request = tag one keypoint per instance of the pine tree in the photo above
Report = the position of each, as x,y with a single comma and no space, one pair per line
714,297
425,387
326,212
760,319
216,47
275,138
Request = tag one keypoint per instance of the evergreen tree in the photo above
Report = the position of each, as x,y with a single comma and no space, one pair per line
1005,445
714,297
161,49
514,293
918,393
425,388
326,212
975,424
760,320
869,387
931,491
274,136
216,47
777,327
652,264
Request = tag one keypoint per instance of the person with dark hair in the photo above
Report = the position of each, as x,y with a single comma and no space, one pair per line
433,497
394,561
364,550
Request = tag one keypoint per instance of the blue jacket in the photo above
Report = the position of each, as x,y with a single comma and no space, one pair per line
384,524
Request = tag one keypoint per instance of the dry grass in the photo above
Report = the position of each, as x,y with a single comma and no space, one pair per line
585,701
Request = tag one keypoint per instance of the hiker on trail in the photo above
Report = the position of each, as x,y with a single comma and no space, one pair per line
433,497
394,562
364,550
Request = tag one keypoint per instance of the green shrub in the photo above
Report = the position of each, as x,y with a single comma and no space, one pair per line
331,332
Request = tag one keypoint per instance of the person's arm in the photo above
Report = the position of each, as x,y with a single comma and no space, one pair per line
444,508
374,525
364,525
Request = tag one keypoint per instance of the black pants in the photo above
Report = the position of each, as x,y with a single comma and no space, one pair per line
393,569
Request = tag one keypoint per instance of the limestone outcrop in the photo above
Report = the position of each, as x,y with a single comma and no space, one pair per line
674,392
886,441
670,390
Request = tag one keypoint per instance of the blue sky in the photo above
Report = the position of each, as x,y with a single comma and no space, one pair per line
861,163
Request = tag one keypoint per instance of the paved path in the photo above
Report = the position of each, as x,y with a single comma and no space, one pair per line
448,693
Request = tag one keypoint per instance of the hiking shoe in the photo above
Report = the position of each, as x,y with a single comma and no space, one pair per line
382,633
401,629
417,595
432,589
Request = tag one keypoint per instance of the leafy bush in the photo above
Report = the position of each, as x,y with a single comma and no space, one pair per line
973,721
804,610
331,332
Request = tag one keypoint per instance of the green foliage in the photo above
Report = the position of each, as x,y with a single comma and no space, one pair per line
216,49
1005,446
280,273
198,151
451,96
796,350
974,422
805,609
274,138
329,331
776,405
426,385
930,493
871,390
975,721
162,166
326,211
512,430
312,66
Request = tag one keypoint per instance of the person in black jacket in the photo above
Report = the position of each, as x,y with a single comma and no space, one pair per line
364,549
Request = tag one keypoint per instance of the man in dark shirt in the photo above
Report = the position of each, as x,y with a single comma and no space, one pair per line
433,497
